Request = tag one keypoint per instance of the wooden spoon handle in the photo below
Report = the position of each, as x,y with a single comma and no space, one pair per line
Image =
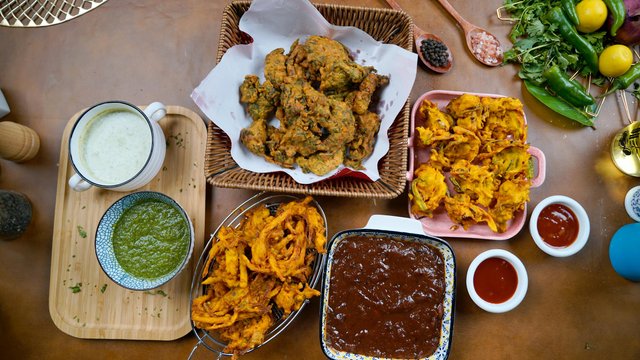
394,5
466,26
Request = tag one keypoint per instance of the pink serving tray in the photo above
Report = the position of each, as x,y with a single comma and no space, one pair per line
440,225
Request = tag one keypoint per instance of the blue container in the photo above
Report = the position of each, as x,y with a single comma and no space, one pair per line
624,251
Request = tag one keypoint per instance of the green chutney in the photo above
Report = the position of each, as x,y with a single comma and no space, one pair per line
151,239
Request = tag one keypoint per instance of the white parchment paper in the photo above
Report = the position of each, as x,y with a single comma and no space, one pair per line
277,24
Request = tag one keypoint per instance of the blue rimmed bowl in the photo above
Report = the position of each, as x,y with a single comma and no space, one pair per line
104,242
398,229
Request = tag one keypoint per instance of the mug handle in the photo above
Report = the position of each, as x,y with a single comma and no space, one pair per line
155,111
78,184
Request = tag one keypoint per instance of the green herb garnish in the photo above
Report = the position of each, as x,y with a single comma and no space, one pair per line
82,232
103,288
157,292
76,288
537,44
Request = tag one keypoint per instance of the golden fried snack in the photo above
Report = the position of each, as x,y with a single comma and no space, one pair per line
428,189
504,119
322,99
468,111
510,197
464,145
367,126
480,143
464,212
476,181
437,124
264,262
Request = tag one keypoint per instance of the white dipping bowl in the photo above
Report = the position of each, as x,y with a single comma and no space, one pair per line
583,226
521,288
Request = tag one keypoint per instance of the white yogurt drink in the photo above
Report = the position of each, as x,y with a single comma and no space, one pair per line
114,146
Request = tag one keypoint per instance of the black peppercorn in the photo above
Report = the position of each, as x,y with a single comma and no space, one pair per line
435,52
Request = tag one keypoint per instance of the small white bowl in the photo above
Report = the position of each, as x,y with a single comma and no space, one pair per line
583,224
521,289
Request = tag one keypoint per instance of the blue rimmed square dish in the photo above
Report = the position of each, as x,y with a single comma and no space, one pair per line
353,304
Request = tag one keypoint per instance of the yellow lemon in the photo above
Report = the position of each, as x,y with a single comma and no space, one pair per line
592,15
615,60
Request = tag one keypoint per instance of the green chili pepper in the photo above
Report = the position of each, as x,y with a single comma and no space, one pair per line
618,13
569,33
625,80
558,105
569,9
569,90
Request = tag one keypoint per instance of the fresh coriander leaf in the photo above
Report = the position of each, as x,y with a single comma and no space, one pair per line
82,232
103,288
157,292
535,28
76,288
525,44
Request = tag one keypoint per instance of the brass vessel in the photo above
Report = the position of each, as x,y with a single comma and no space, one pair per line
625,149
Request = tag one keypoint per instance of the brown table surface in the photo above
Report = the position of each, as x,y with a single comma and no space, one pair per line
144,51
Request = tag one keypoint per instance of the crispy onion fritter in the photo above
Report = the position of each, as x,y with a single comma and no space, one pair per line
264,262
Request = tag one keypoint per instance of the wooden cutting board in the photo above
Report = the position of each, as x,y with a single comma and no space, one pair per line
83,301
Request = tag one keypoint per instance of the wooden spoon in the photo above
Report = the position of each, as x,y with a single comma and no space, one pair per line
419,35
483,45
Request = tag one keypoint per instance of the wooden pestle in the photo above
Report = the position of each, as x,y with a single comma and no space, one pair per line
18,143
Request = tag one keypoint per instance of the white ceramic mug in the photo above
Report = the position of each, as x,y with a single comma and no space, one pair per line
117,146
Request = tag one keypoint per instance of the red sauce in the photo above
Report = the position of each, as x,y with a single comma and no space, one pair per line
495,280
558,225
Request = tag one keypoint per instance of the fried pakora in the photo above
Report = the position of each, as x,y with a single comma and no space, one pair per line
476,181
322,99
428,189
478,143
264,262
463,211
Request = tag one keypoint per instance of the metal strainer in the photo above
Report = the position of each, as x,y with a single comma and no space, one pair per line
210,340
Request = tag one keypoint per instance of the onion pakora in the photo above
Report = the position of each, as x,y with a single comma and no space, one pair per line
478,144
263,263
322,100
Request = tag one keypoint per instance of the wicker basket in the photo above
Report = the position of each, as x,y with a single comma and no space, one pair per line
388,26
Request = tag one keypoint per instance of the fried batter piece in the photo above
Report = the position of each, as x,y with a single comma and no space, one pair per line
480,143
512,161
367,126
468,111
428,189
437,124
264,262
476,181
504,119
261,100
322,99
464,145
464,212
511,197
